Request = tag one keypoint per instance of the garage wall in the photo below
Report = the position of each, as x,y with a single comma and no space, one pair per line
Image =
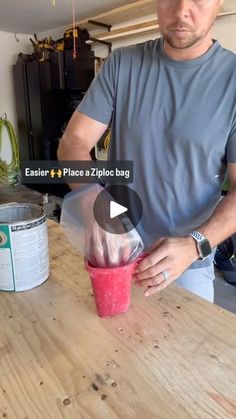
10,48
225,31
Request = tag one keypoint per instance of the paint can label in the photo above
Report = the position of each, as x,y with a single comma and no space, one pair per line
24,256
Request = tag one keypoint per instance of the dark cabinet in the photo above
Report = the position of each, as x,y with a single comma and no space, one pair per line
47,93
40,109
57,70
79,72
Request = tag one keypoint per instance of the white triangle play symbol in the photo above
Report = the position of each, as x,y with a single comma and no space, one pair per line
116,209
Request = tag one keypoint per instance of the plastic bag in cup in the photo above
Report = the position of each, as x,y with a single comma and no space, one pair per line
101,248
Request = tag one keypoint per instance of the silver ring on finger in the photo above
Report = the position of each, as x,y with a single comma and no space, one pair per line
165,275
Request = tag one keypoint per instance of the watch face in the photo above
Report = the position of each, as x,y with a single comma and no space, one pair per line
205,248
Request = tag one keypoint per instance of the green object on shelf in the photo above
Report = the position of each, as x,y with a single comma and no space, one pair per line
9,172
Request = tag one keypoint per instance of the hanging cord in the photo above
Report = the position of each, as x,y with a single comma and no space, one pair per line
74,38
9,172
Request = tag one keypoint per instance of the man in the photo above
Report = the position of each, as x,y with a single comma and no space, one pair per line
172,103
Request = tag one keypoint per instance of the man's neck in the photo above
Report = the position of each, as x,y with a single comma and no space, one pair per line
189,53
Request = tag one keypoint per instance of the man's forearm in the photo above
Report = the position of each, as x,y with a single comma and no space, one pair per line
222,223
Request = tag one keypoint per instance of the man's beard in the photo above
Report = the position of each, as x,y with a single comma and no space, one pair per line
182,43
192,38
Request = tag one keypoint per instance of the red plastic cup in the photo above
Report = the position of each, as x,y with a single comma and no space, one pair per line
112,288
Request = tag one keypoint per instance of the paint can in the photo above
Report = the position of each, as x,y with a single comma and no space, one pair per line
24,256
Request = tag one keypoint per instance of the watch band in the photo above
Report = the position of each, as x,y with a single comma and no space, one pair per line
203,245
197,236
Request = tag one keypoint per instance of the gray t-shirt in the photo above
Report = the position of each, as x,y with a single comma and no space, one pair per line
177,121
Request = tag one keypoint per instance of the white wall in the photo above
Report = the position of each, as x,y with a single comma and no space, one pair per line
225,31
9,48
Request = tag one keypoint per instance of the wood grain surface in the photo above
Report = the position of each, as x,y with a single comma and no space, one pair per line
173,355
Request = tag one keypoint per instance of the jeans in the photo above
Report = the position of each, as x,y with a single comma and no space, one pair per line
199,281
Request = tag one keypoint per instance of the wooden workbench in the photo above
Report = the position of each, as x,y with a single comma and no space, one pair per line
172,355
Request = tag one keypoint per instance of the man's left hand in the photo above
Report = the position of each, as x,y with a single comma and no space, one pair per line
168,259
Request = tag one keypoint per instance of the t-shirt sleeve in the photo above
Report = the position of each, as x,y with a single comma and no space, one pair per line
231,144
98,102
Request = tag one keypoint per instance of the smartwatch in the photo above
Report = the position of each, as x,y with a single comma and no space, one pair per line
203,245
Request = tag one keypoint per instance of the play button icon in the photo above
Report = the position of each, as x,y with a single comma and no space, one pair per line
118,209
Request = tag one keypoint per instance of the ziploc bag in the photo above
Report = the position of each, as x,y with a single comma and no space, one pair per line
100,248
